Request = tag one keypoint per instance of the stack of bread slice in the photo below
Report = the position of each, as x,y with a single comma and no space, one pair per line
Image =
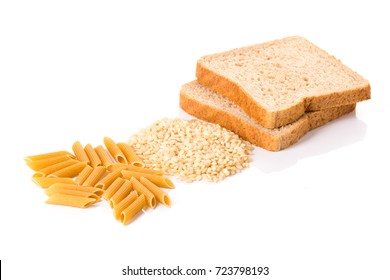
271,94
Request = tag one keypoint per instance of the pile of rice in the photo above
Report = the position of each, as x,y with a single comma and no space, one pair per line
192,150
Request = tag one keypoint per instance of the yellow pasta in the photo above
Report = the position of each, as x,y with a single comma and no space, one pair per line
144,170
114,150
95,176
47,156
141,189
113,188
38,175
69,171
124,204
70,200
66,186
160,181
107,180
45,182
84,175
78,150
132,210
131,157
43,163
123,191
116,166
114,172
55,167
134,168
51,192
94,159
160,195
104,156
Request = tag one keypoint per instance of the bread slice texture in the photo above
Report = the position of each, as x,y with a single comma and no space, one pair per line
202,103
276,82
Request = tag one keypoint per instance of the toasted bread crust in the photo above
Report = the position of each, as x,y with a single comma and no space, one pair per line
256,136
268,119
231,88
234,92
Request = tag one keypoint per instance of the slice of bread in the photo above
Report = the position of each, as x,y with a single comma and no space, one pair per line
277,82
201,102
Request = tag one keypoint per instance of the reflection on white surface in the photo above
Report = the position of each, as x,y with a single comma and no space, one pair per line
329,137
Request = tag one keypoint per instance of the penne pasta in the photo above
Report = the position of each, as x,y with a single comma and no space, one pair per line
50,192
38,175
95,176
130,154
116,166
69,171
45,182
160,181
70,200
43,163
66,186
78,150
132,210
114,172
107,180
144,170
114,150
124,204
123,191
47,156
104,156
94,159
134,168
55,167
141,189
113,188
84,175
160,195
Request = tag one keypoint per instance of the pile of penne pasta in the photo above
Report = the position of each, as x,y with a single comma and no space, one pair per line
115,174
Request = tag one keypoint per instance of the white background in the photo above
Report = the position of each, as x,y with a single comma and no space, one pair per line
82,70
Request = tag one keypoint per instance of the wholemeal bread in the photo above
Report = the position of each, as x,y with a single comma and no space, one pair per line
201,102
277,82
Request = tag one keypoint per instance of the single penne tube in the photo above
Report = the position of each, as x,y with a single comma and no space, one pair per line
123,191
38,174
43,163
134,168
97,191
46,182
47,156
131,157
144,170
141,189
84,175
113,188
114,150
160,181
116,166
132,210
69,171
93,157
108,179
50,192
124,204
95,176
70,200
104,156
160,195
78,150
58,166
